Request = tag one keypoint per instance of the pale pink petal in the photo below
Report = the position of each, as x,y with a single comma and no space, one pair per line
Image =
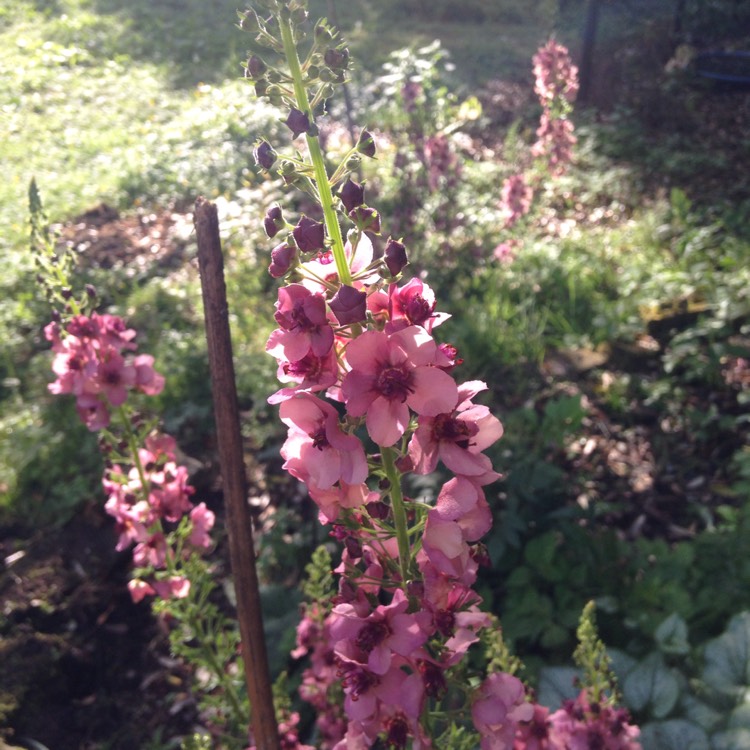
435,392
387,421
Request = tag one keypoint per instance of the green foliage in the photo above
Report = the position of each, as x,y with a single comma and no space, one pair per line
592,659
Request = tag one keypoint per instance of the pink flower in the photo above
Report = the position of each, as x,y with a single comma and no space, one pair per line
460,515
413,304
386,631
515,199
147,379
151,553
139,590
343,495
389,375
304,325
311,373
456,437
202,520
499,705
317,451
177,587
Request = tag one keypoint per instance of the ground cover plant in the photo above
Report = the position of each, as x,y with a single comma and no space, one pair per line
618,447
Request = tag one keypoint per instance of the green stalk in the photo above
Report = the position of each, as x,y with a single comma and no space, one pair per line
399,512
316,155
133,446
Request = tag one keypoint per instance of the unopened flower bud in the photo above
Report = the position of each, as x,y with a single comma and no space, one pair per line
395,256
261,87
264,154
366,218
249,21
313,72
309,235
90,290
378,510
255,67
352,195
298,122
282,258
338,59
273,222
323,34
366,144
66,292
353,162
353,547
349,305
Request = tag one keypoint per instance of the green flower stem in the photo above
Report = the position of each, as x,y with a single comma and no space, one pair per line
133,446
399,512
316,155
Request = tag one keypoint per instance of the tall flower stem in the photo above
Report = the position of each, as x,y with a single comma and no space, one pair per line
316,155
399,512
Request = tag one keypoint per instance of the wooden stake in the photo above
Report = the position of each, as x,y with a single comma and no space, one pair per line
239,520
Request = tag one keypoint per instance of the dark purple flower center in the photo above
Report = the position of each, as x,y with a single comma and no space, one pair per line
397,732
446,427
395,383
433,679
418,309
357,680
445,622
371,635
319,438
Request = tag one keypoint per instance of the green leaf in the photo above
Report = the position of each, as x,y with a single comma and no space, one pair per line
672,635
727,658
676,734
651,683
557,684
733,739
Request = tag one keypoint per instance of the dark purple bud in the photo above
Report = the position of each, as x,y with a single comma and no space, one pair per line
338,59
282,258
379,510
352,195
264,154
309,235
323,33
66,292
366,143
273,222
255,67
90,290
298,122
395,256
349,305
366,218
353,547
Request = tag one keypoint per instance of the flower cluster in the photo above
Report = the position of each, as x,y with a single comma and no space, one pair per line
146,488
142,500
579,725
556,86
91,362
